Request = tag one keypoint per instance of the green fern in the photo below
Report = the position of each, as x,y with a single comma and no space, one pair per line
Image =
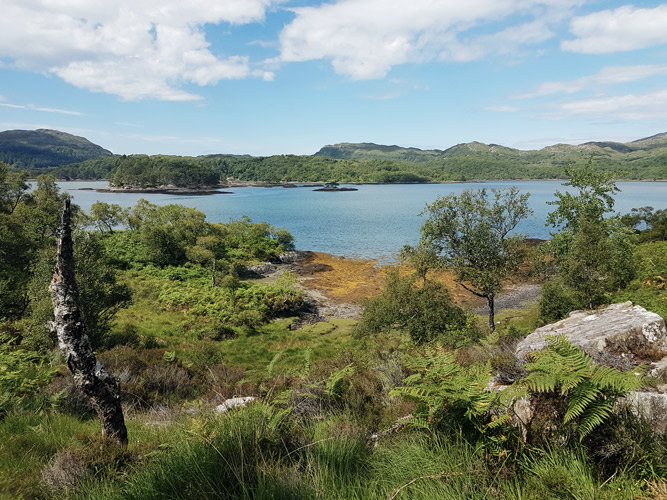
591,389
272,365
443,389
338,382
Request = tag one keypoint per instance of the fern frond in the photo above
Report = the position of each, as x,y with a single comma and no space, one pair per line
597,413
333,385
580,399
613,379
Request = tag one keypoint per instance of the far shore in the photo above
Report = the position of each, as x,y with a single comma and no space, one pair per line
220,189
164,190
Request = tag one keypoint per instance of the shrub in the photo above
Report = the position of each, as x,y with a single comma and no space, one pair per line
425,312
449,395
555,302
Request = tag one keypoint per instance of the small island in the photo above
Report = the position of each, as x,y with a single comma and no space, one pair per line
169,189
333,186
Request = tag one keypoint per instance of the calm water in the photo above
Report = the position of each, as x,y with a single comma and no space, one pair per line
375,221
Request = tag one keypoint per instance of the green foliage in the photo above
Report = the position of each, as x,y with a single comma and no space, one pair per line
426,312
448,394
101,296
422,257
155,171
593,252
106,216
23,374
172,235
470,233
244,304
648,287
591,390
340,163
592,201
28,224
338,382
555,302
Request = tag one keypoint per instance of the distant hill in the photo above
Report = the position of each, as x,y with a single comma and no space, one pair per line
370,151
643,158
43,148
72,157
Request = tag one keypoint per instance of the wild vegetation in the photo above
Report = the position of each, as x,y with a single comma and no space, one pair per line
392,406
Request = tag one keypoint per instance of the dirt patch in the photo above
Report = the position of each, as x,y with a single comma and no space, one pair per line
515,296
335,286
342,279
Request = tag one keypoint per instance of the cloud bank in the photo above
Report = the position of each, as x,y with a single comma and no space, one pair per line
623,29
140,49
364,39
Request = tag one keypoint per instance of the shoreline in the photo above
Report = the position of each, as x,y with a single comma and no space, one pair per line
160,190
292,185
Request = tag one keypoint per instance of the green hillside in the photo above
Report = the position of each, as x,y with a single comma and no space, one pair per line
72,157
32,149
641,159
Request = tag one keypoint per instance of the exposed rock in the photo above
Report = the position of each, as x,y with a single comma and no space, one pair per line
260,270
234,403
651,406
620,335
659,369
293,256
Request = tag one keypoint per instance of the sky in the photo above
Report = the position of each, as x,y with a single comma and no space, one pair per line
266,77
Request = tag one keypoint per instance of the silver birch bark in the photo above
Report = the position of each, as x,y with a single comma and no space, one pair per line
89,375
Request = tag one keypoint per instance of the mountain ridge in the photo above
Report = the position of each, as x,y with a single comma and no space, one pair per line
370,150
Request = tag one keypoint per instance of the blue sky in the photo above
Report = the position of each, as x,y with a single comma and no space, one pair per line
267,77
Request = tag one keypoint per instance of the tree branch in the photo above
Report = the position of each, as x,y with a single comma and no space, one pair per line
474,292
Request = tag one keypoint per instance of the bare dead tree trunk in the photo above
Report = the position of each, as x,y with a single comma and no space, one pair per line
492,318
89,375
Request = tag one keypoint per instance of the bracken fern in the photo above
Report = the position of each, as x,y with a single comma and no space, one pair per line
591,389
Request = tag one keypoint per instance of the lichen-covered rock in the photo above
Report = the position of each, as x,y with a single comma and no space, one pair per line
260,270
234,403
651,406
619,335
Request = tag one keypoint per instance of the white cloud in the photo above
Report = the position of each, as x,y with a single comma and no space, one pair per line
624,107
622,29
607,76
32,107
136,49
365,38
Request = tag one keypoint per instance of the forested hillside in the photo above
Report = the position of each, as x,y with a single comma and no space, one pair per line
75,158
34,149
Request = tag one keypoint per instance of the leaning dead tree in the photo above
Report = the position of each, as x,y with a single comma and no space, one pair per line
102,389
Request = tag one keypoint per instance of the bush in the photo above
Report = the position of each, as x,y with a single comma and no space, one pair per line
425,312
556,302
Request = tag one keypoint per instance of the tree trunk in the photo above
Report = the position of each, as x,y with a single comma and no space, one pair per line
492,318
89,376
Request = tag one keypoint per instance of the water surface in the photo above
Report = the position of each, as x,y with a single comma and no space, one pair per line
373,222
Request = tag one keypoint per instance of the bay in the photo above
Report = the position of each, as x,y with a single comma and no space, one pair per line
373,222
